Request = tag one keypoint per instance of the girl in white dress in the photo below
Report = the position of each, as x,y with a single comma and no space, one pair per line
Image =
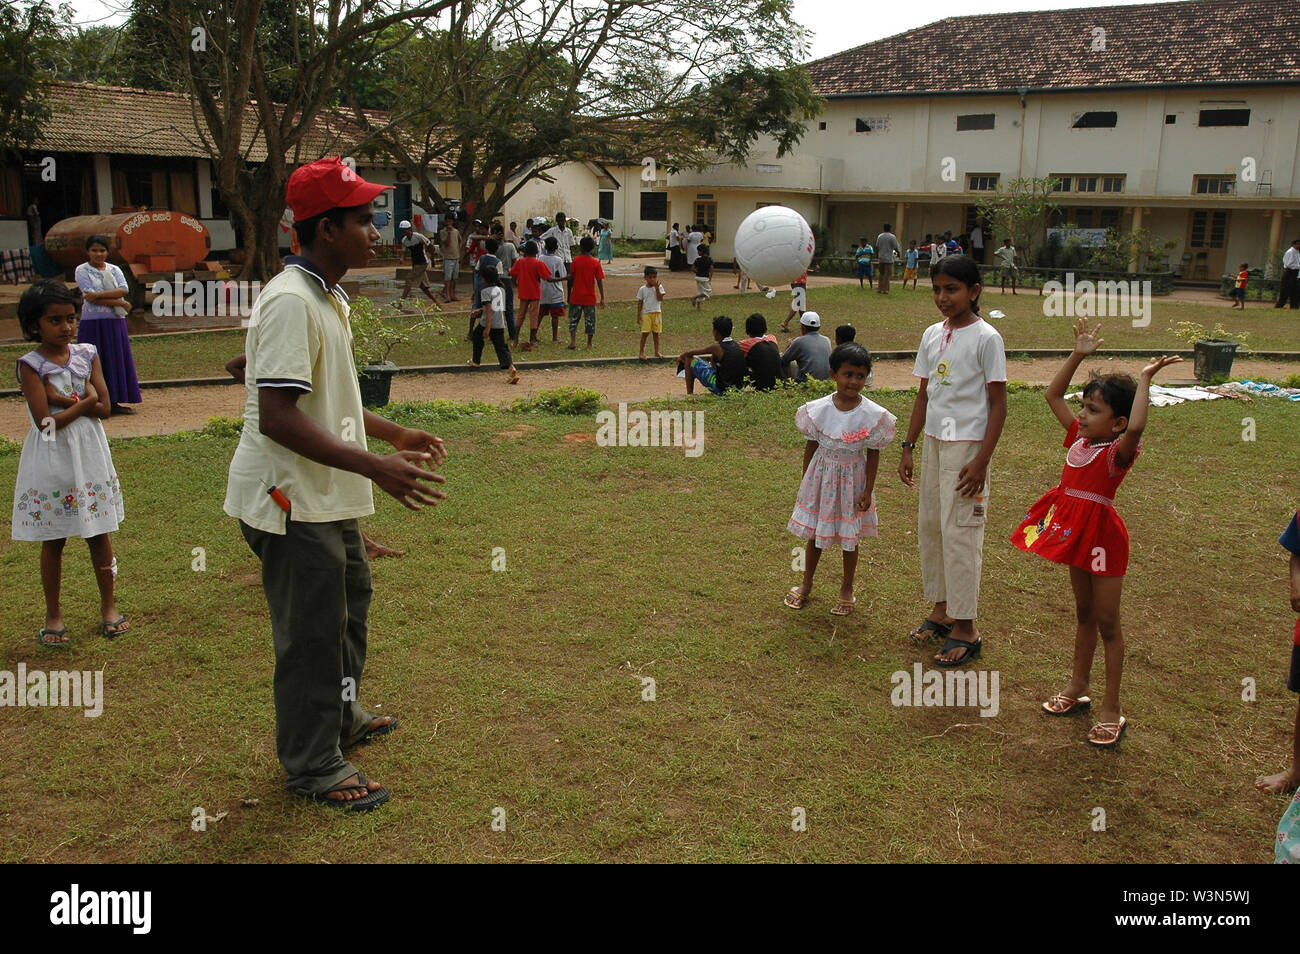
67,486
836,505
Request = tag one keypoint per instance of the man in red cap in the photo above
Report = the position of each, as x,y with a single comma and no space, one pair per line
301,477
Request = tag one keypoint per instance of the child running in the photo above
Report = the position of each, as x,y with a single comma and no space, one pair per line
961,402
836,503
66,486
490,322
1075,522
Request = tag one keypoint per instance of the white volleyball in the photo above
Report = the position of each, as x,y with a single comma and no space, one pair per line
774,245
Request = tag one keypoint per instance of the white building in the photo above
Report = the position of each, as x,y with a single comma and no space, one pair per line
1183,118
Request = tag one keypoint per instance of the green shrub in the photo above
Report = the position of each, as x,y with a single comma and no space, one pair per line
223,427
567,400
9,448
427,415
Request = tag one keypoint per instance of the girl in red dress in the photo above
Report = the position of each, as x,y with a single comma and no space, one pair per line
1075,522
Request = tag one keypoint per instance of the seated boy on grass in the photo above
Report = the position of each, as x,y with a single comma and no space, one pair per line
725,367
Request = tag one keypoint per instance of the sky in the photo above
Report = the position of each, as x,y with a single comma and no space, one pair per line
833,31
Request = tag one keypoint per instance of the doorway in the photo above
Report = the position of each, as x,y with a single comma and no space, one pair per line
1207,240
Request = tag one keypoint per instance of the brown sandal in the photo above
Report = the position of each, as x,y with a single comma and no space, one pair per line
796,598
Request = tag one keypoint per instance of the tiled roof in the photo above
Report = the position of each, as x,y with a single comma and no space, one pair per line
90,118
1200,42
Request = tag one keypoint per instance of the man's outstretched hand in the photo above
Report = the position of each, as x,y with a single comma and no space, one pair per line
412,440
400,476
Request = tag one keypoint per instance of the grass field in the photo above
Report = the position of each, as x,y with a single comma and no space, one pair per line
522,689
884,324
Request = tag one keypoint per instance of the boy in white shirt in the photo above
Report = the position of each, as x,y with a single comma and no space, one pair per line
649,309
552,302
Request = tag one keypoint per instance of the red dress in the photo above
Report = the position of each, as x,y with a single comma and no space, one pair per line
1075,522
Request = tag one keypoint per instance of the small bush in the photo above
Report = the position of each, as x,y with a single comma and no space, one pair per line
223,427
9,448
569,400
426,415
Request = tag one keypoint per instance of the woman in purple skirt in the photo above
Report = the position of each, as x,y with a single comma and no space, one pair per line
103,322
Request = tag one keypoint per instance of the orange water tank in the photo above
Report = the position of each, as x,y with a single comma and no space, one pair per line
153,241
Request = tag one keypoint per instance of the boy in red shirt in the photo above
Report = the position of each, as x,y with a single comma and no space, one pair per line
529,273
587,277
1239,291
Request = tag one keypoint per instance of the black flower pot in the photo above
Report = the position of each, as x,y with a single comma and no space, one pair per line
376,383
1214,359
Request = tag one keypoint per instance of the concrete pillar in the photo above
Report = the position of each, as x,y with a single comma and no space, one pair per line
898,222
103,185
1137,224
1274,232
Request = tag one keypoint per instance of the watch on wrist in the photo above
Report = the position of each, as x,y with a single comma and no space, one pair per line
909,445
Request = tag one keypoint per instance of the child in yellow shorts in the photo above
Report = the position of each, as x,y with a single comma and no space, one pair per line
649,309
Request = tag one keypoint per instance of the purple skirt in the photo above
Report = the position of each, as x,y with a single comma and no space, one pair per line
111,340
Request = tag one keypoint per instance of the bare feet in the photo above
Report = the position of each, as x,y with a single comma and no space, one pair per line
375,549
1281,782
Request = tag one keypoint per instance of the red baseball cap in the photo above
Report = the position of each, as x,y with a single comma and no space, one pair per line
326,184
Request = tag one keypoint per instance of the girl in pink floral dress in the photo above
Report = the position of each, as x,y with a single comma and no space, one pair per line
837,504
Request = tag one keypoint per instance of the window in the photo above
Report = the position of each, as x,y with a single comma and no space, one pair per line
821,125
975,121
982,183
1095,119
1170,119
872,124
654,206
1109,219
1224,117
1208,229
606,204
1088,183
706,214
1214,185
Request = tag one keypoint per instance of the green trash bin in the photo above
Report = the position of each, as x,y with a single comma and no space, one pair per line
1214,359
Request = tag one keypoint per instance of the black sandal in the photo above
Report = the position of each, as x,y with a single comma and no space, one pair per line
972,651
367,803
374,733
929,626
54,643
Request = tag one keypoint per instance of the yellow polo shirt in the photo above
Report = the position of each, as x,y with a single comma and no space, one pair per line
299,337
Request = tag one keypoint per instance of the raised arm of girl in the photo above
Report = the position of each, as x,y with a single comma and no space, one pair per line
1137,420
1086,342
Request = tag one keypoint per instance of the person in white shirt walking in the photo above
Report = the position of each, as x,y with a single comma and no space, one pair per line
1288,292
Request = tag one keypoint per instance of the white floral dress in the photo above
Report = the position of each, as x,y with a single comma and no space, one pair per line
826,509
67,486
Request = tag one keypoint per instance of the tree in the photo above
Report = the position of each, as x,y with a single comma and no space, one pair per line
1021,211
503,93
29,40
263,73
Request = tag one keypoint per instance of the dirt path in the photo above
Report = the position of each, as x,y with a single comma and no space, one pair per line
188,408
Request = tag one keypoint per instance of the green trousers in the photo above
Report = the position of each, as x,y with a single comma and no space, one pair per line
317,582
